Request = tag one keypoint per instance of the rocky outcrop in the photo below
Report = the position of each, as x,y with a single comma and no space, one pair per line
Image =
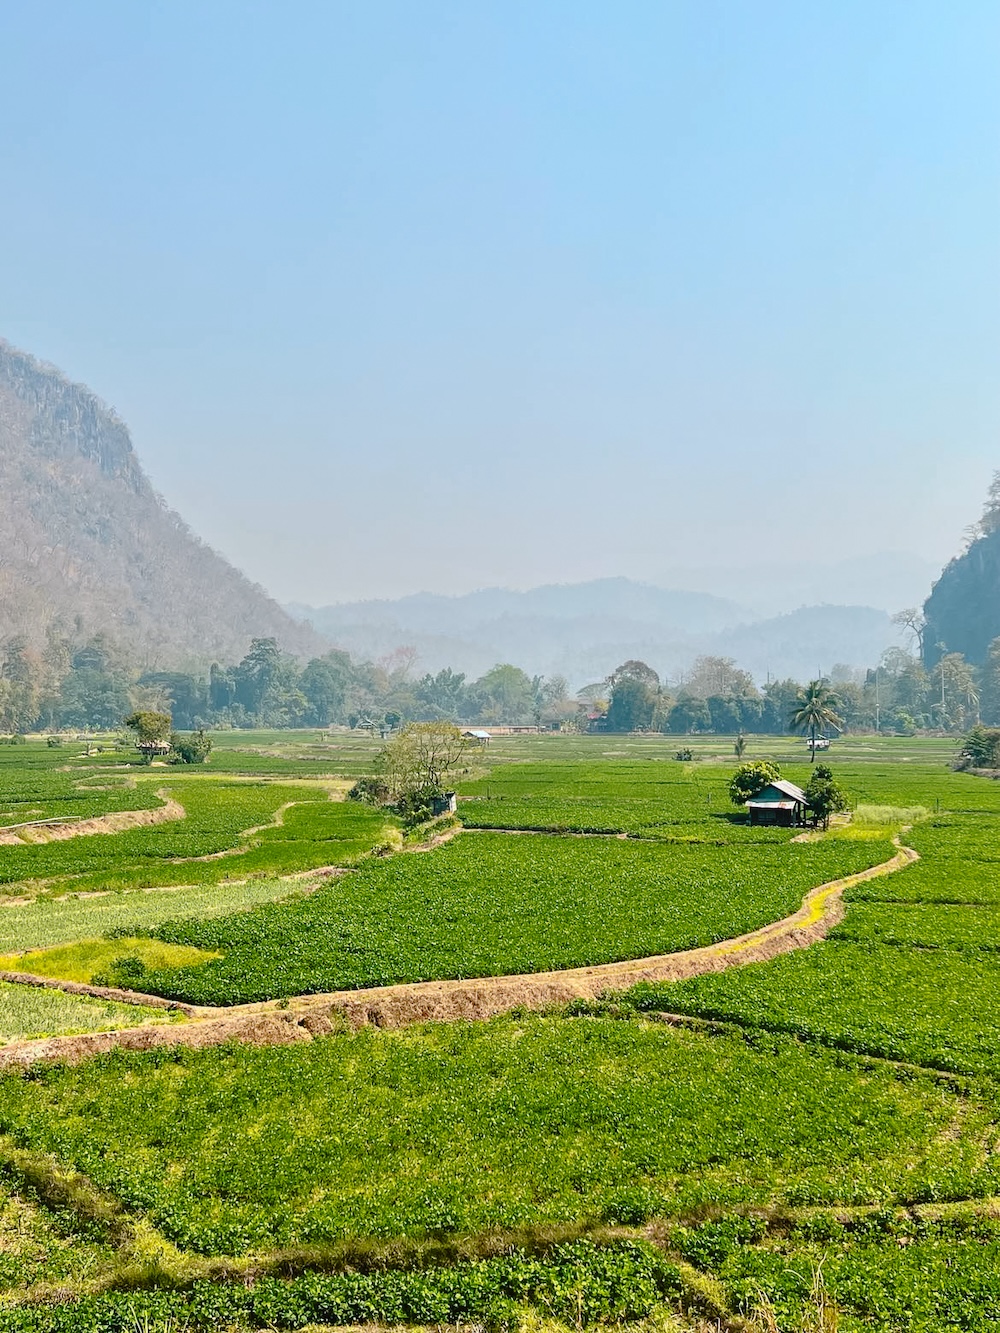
88,547
963,610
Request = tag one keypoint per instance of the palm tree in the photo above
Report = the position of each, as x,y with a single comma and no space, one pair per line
816,709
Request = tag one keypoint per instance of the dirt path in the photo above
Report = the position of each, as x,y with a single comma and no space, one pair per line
282,1022
45,830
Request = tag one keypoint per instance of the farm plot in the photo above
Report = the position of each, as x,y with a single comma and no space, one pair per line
37,783
45,922
26,1011
915,976
38,1246
886,1271
218,817
648,799
933,1007
491,904
448,1128
576,1284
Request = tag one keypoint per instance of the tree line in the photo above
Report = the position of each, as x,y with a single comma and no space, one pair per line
62,686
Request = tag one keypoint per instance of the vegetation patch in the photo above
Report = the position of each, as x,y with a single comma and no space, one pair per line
494,905
457,1128
29,1011
117,962
45,921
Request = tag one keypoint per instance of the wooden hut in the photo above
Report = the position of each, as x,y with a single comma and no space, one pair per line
780,803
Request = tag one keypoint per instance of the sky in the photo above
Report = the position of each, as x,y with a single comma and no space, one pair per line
434,296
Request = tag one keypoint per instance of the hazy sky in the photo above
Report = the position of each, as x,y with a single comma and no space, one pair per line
401,296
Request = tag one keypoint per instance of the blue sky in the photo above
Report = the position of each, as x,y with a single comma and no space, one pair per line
401,296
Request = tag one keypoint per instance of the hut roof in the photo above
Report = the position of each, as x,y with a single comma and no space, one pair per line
786,789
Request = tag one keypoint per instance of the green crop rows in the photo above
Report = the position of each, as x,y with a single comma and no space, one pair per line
315,831
462,1128
830,1135
489,904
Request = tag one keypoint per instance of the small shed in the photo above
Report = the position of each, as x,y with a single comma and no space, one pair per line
445,804
780,803
477,734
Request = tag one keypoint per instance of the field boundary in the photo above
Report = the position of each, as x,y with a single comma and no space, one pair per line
300,1018
60,830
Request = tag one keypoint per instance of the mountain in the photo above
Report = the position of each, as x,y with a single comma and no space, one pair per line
583,631
963,610
88,548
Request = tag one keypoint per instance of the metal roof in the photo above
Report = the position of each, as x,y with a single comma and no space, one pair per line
773,805
786,789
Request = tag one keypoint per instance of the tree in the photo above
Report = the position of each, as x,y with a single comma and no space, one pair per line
824,796
913,619
421,757
990,686
256,674
152,731
815,710
504,695
990,521
688,714
718,676
635,693
443,693
981,748
749,780
725,713
739,745
192,748
324,684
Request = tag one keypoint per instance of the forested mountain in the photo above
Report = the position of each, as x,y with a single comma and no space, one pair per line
89,551
962,613
581,631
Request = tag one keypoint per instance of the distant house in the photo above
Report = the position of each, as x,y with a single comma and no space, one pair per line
780,803
475,734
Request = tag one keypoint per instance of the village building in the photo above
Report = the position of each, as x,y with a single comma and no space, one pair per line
780,803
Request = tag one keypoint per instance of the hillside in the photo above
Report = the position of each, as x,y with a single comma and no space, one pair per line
88,547
963,610
582,631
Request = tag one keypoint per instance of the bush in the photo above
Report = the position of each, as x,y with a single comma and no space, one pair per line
980,748
749,780
190,748
416,806
371,790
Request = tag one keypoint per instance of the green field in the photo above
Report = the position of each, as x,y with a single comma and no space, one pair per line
816,1131
489,904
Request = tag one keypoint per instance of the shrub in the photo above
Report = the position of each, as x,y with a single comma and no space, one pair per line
371,790
751,779
191,748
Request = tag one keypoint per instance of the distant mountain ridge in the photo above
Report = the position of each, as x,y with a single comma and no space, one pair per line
582,631
87,547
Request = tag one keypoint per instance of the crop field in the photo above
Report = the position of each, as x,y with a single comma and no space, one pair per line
814,1133
43,922
489,904
218,815
466,1128
27,1011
